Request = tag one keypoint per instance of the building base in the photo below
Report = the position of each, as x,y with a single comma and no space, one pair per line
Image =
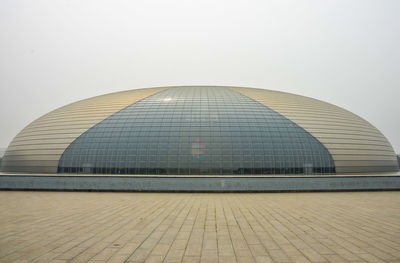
199,184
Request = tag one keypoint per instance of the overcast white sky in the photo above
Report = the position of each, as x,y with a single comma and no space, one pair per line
56,52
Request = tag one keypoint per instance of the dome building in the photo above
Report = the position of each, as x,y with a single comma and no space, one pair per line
200,130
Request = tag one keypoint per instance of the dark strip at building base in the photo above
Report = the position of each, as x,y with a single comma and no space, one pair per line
199,184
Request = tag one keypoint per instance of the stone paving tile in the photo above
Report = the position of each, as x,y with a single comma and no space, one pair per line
181,227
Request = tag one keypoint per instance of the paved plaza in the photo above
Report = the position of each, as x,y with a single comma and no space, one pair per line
181,227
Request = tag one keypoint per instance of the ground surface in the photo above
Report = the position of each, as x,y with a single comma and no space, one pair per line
156,227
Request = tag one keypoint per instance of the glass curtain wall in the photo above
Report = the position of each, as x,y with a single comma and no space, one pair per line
196,131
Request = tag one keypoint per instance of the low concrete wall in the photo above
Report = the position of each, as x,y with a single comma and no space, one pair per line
199,184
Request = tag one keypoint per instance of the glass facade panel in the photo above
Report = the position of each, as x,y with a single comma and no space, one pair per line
194,131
